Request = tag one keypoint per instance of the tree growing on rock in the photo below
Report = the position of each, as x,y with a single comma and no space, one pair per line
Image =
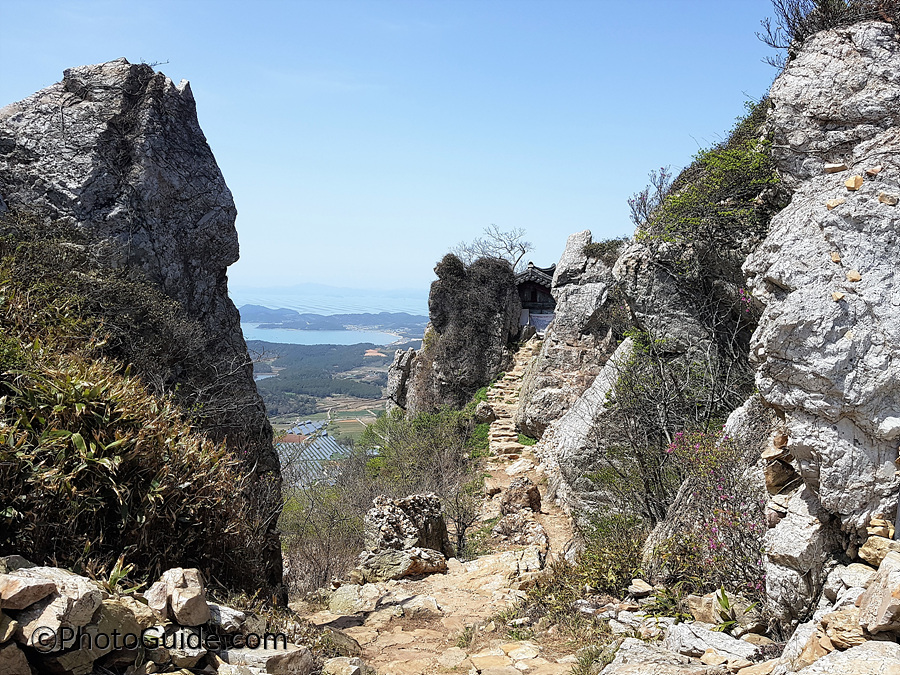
508,245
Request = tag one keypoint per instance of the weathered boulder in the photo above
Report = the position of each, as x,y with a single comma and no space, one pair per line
871,658
517,528
226,618
879,608
484,413
72,604
876,549
635,657
353,598
693,640
398,378
398,564
292,660
115,151
578,341
521,494
187,648
796,551
13,661
843,629
639,588
344,665
186,595
416,521
18,592
857,575
569,446
8,628
827,343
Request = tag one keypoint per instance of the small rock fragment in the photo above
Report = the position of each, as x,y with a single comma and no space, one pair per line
713,658
890,200
854,275
640,588
18,592
876,549
831,203
835,167
837,296
874,171
835,257
854,183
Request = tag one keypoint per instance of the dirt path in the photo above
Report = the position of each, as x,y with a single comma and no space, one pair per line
414,627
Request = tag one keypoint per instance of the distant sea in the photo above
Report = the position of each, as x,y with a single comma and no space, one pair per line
315,337
327,300
321,299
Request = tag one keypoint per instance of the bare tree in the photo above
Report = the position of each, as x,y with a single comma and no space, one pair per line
645,202
496,243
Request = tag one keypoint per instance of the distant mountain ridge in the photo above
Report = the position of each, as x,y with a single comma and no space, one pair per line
289,318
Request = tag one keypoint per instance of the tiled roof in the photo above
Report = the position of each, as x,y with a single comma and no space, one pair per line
539,275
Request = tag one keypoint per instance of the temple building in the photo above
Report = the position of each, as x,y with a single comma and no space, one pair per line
538,305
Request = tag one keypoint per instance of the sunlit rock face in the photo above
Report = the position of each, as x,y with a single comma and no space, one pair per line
828,344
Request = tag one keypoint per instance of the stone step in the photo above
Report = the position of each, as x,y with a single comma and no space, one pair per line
509,448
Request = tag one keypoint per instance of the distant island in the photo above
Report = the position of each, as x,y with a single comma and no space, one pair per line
400,323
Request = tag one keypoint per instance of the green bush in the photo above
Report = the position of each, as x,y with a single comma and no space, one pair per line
97,460
606,250
716,200
716,538
611,557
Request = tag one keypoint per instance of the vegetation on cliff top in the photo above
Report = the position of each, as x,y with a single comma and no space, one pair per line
96,460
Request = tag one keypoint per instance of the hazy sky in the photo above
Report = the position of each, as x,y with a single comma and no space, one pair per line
362,139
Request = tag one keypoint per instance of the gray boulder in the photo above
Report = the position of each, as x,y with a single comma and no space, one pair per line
398,378
412,522
635,657
399,564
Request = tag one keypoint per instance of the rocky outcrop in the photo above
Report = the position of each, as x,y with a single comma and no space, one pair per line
414,521
474,312
403,538
398,378
578,341
828,341
114,152
570,446
73,626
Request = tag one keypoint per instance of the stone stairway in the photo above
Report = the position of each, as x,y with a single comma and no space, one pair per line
503,397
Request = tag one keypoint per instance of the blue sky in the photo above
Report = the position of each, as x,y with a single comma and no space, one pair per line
362,139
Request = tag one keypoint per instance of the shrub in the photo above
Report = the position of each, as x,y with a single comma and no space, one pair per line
611,557
606,250
716,200
97,459
657,393
94,466
715,538
397,455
